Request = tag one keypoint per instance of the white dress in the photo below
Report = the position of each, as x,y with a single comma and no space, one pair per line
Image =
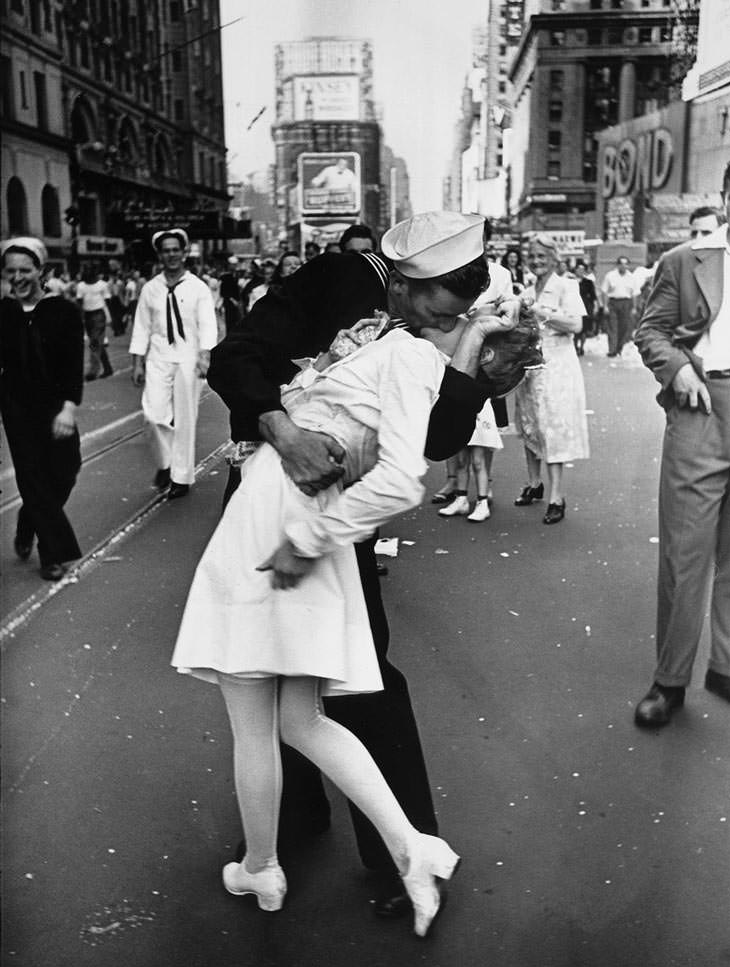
376,403
550,404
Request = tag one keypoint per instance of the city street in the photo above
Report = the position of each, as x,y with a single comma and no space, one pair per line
585,842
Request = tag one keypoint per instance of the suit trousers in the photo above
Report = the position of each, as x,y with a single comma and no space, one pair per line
170,406
385,724
618,324
95,327
694,537
45,472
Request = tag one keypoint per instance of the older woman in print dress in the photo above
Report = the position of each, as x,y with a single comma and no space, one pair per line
550,404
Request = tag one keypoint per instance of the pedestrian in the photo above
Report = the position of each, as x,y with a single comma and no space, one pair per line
268,267
589,296
116,303
311,251
550,404
703,221
174,330
300,320
512,261
230,295
357,238
41,382
93,295
498,299
619,302
287,265
684,339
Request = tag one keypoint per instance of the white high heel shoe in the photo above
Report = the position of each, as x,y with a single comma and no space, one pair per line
430,859
268,886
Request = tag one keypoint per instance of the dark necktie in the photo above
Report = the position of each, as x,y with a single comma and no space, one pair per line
172,307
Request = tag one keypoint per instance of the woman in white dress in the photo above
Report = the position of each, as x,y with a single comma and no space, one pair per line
550,404
276,615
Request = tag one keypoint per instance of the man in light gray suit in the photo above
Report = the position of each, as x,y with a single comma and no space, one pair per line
684,338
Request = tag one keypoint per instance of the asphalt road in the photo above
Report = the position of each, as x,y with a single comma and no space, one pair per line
585,842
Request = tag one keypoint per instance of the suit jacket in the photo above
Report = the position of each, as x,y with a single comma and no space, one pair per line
301,317
684,301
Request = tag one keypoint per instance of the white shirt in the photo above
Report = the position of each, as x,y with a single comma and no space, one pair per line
713,346
93,295
197,312
617,286
376,403
55,286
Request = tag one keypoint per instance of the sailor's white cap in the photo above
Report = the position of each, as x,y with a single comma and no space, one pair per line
26,243
434,243
171,233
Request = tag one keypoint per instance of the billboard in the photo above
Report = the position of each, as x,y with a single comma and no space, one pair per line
327,97
329,184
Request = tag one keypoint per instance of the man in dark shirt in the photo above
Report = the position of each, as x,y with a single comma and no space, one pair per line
434,271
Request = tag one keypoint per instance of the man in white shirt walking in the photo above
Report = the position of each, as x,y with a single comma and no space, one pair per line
619,301
174,330
684,338
93,295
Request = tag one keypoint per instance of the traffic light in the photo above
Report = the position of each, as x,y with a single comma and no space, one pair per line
71,215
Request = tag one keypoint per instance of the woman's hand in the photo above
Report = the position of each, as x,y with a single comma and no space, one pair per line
288,569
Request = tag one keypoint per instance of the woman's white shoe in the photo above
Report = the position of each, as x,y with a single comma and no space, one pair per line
430,860
268,886
459,505
481,511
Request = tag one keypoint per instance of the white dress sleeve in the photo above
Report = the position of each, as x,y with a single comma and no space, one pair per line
408,383
570,300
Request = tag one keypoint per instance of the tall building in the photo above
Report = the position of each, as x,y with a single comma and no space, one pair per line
112,116
327,139
581,66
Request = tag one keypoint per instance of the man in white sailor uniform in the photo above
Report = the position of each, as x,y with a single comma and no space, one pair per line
174,331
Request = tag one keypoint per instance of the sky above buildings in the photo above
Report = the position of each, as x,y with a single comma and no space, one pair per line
421,56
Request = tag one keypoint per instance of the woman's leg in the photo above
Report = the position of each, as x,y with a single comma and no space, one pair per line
252,705
481,461
533,468
555,477
344,760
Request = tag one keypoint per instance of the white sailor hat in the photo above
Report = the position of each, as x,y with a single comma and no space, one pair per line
170,233
28,244
434,243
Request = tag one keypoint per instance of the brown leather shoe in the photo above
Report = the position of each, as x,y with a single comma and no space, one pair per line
718,684
658,705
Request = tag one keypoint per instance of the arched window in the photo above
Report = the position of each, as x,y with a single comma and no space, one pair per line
51,212
161,160
17,204
83,127
127,141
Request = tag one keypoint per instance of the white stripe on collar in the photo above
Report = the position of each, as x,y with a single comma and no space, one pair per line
380,267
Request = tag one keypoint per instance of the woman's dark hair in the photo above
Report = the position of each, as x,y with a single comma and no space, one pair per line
466,282
276,277
356,231
505,258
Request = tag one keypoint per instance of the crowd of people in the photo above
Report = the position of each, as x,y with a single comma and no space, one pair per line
401,356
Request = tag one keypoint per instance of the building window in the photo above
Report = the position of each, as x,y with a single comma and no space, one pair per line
502,87
617,4
41,100
556,80
177,61
557,4
23,92
665,35
175,10
596,4
615,36
179,109
557,38
553,170
17,206
35,16
595,36
51,212
6,88
17,6
84,50
645,35
556,110
554,140
201,167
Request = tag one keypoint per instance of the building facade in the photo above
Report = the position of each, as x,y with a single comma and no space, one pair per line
325,118
581,66
117,107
